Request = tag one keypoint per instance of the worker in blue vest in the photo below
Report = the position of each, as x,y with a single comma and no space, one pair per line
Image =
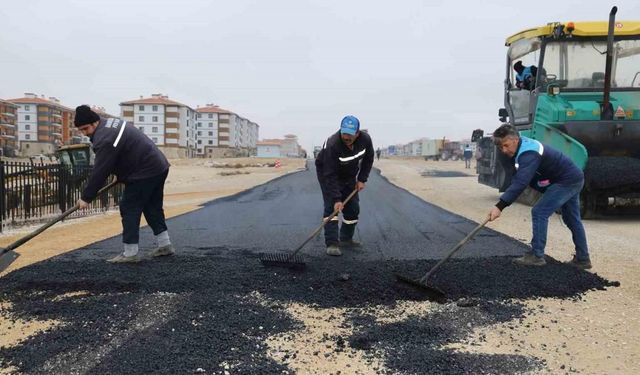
525,76
467,154
557,177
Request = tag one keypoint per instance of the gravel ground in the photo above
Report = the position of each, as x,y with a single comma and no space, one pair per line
215,309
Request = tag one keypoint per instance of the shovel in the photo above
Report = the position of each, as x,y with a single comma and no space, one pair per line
292,260
432,292
8,256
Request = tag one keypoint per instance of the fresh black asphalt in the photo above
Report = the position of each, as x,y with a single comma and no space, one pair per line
196,312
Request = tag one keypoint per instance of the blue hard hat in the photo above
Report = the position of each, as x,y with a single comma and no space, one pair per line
349,125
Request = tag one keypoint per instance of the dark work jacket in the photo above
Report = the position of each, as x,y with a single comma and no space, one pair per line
538,166
125,151
337,165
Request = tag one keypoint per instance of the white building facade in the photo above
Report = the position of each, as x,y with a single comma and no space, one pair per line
220,132
169,124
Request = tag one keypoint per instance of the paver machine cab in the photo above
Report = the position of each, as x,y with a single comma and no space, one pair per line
585,101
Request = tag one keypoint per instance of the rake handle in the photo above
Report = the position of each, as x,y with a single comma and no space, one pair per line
324,222
454,250
68,212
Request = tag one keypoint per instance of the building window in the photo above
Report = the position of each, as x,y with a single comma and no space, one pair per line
199,115
154,108
199,133
199,124
27,136
199,141
154,129
211,124
155,140
27,117
210,115
210,142
142,129
27,127
27,108
141,118
211,133
154,119
140,108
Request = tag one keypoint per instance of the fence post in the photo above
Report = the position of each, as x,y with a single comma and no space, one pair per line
3,195
27,201
62,196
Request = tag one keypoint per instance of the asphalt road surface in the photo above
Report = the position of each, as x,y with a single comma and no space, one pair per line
195,312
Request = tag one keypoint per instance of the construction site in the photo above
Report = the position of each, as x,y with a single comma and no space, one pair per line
214,307
509,248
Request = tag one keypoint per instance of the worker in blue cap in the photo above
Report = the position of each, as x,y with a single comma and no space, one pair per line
343,165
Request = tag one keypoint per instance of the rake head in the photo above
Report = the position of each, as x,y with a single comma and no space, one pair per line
7,258
433,294
282,260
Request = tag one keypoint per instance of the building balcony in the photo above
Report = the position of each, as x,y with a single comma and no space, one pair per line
9,114
7,125
7,136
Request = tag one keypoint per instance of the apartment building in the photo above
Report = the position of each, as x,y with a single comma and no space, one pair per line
43,124
243,134
220,132
8,128
168,123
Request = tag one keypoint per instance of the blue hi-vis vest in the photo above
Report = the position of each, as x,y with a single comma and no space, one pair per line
528,144
526,73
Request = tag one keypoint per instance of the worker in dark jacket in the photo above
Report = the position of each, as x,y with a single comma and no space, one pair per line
125,151
557,177
343,165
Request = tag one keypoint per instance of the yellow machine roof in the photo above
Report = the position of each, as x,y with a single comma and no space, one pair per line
597,28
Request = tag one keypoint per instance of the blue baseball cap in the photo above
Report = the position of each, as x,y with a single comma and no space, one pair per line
349,125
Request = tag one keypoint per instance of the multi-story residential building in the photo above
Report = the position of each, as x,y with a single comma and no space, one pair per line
43,124
220,132
102,112
8,128
168,123
243,134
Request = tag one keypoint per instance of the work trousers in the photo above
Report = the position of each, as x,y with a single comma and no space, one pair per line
142,197
566,198
333,234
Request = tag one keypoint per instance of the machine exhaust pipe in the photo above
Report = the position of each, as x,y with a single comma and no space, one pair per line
606,110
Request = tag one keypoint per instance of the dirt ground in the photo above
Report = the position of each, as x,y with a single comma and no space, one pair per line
190,183
598,334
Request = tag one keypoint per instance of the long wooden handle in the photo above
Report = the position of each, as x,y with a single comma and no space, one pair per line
454,250
324,222
68,212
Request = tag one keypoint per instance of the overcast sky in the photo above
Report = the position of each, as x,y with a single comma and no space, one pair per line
406,69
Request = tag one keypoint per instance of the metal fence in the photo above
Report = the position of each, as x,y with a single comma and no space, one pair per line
37,191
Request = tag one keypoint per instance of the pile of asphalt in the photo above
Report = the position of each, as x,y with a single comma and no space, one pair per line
608,172
199,314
